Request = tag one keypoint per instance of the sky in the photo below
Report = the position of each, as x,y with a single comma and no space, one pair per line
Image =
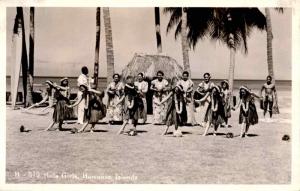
65,41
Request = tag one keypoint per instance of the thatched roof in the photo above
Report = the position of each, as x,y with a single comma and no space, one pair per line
150,64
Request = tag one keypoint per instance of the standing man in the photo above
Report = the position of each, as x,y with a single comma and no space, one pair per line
204,89
82,80
142,89
187,86
270,96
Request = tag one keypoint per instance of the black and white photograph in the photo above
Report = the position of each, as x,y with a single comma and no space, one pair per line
149,95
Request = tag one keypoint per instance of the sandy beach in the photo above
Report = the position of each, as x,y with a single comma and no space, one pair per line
105,157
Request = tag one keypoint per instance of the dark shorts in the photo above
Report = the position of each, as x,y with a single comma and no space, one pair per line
266,103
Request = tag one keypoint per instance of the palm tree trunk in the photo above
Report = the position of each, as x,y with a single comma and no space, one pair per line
29,100
109,44
231,65
157,28
232,56
25,72
31,42
184,43
96,65
269,43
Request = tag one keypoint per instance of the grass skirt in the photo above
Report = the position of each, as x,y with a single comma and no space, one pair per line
250,117
59,113
172,117
215,117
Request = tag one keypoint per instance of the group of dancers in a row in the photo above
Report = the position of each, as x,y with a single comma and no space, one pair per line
175,103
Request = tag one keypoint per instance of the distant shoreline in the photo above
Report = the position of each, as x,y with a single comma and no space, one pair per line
217,79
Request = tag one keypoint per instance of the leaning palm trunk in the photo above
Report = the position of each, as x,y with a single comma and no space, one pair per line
109,44
184,43
96,65
157,28
269,43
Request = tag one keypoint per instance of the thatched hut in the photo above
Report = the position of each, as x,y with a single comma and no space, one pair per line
150,65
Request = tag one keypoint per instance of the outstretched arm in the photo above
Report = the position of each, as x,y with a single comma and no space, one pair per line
62,87
261,91
204,98
95,91
76,102
275,94
255,95
45,98
166,98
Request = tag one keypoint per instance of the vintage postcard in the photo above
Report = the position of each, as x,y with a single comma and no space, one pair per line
150,95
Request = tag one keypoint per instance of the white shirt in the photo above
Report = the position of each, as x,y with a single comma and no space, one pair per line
186,84
142,86
82,80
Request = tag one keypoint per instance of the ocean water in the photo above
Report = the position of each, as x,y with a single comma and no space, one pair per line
39,83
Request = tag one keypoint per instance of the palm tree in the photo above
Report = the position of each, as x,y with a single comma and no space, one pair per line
96,65
184,42
231,26
193,27
157,29
269,40
25,72
30,72
109,44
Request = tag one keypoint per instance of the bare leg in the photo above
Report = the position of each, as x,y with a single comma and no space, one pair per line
166,131
215,129
123,127
247,128
92,127
60,125
242,130
206,129
50,126
83,127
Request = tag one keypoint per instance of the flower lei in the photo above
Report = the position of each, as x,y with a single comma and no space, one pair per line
245,107
213,106
131,103
178,110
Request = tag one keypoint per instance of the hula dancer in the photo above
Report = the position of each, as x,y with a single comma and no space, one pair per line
115,92
225,95
215,111
132,104
176,110
248,114
95,110
160,88
48,97
142,87
60,108
270,97
204,89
